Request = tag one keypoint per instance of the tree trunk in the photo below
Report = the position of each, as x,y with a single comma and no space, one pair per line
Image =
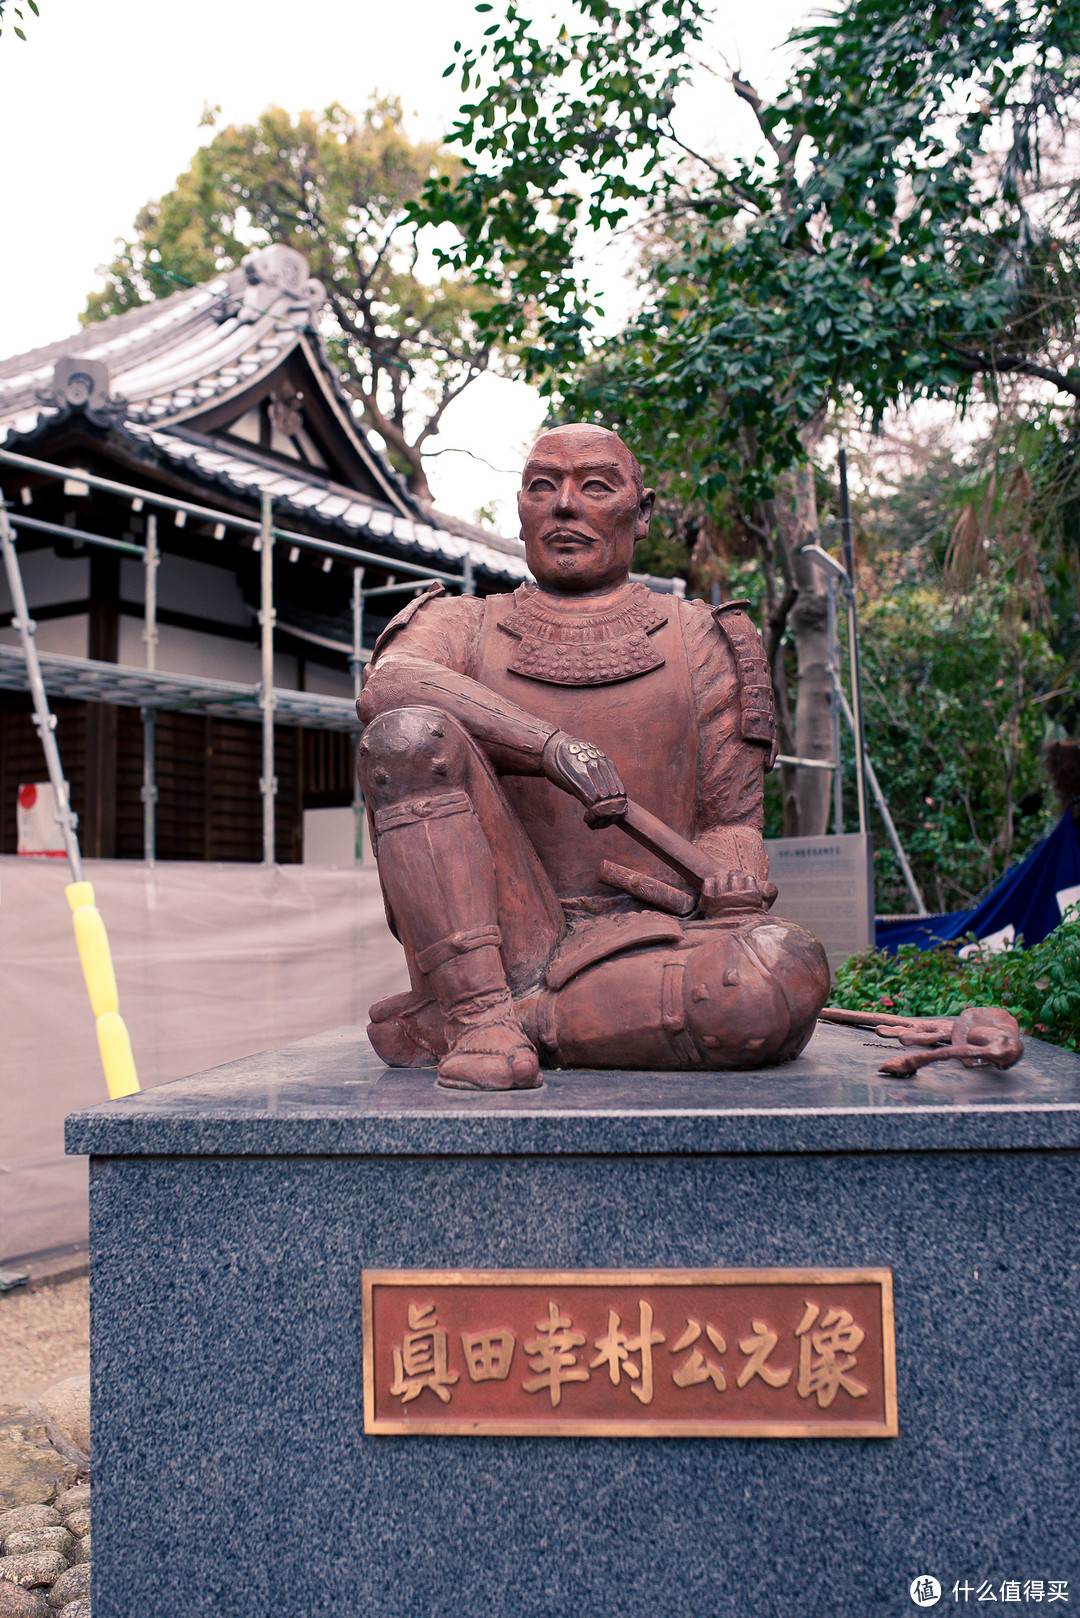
397,444
797,522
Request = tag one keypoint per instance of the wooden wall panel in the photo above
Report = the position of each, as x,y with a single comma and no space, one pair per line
129,779
289,809
180,771
209,806
328,760
234,757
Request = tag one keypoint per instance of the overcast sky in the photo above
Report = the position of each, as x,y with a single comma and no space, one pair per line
99,112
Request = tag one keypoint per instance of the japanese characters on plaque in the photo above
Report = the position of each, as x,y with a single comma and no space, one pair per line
695,1353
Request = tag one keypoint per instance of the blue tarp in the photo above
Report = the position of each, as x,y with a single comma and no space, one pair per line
1025,899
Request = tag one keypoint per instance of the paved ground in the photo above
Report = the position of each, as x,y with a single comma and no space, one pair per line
44,1336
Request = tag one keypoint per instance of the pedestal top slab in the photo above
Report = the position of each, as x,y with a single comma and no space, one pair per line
331,1095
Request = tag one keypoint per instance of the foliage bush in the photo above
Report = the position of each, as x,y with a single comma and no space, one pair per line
954,727
1040,986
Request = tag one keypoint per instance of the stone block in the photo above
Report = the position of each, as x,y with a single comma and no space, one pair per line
68,1403
232,1216
74,1499
39,1516
39,1539
32,1568
15,1602
31,1471
74,1585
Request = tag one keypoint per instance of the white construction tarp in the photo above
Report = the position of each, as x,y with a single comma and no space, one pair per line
212,962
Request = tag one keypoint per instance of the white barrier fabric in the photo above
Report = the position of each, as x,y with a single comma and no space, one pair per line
212,962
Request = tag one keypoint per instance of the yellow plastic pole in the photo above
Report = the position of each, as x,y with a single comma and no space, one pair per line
92,942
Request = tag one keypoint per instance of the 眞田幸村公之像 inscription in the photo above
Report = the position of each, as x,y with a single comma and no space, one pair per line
574,1353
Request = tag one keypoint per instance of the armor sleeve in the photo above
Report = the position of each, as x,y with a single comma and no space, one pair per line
729,811
425,658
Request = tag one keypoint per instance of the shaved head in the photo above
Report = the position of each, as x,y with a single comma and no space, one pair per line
626,456
583,505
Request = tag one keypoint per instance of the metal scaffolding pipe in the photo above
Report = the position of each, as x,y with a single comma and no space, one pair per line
267,781
19,521
44,720
865,768
805,763
149,792
246,525
400,587
883,811
151,562
834,666
356,662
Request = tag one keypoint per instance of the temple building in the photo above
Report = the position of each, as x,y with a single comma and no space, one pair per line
157,434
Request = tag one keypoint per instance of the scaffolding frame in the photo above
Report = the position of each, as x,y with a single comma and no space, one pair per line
151,690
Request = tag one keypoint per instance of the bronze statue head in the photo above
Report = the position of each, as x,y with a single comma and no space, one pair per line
583,506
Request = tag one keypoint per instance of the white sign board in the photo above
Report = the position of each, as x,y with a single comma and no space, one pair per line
36,823
330,837
826,885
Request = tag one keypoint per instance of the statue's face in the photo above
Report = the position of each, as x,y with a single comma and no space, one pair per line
580,511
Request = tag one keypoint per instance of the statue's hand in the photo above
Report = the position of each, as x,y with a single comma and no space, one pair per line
735,893
587,774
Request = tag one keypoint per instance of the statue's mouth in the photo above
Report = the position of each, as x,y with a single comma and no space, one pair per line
567,536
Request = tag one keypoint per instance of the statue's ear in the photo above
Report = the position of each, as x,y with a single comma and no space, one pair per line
645,510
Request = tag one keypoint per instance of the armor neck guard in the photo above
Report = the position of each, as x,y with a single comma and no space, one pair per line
591,642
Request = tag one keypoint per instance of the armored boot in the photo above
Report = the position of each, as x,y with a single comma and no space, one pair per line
488,1048
408,1030
439,883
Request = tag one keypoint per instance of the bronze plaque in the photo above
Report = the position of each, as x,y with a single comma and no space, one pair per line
624,1353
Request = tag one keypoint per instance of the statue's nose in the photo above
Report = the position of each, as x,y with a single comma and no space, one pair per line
566,501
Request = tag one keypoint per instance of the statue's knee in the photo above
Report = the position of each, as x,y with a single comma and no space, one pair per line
411,750
797,962
752,994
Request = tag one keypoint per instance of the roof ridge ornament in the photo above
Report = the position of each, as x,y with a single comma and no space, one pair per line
79,383
274,273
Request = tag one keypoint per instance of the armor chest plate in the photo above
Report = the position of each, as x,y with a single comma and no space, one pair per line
613,682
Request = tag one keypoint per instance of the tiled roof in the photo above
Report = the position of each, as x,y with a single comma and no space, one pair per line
309,495
152,369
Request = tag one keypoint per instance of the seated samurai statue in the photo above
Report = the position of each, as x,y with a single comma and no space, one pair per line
635,934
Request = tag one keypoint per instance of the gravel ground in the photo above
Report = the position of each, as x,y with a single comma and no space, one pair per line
44,1336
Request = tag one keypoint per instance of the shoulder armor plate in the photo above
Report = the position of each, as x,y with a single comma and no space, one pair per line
757,705
433,591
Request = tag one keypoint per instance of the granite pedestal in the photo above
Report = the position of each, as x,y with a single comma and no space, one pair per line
232,1214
